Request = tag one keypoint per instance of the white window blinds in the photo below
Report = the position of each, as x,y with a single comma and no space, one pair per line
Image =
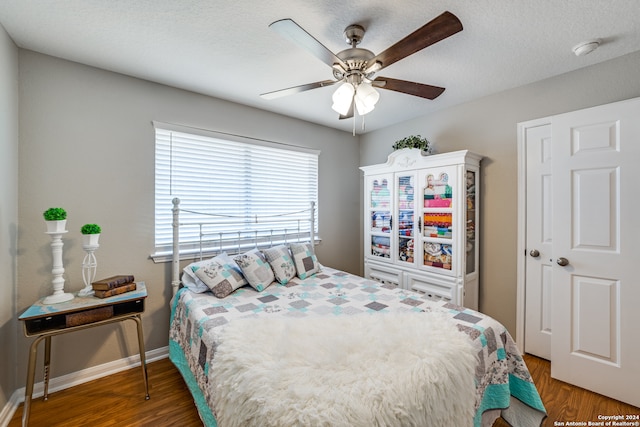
229,177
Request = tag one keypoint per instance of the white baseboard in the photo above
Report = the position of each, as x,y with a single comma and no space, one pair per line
10,408
79,377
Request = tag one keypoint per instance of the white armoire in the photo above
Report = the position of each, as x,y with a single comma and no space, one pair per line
420,223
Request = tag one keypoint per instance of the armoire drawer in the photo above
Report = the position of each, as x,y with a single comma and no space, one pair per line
382,274
432,287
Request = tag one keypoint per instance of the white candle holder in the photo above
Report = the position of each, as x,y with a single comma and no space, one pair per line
89,267
58,295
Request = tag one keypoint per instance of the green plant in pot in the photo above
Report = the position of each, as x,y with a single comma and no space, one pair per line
90,234
56,219
90,229
90,237
413,141
55,214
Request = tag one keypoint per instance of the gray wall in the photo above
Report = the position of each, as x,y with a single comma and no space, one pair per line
87,144
8,213
488,127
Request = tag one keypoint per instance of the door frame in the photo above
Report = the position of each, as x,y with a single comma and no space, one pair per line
521,245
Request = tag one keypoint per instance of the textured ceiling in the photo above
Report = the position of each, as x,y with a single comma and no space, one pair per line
225,48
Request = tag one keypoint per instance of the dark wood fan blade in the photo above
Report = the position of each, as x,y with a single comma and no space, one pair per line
410,88
432,32
296,89
292,31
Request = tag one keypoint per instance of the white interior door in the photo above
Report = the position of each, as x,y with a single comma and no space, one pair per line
596,233
539,240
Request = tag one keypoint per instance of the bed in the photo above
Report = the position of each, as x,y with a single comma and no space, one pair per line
322,347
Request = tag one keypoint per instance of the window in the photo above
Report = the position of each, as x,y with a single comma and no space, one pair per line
228,177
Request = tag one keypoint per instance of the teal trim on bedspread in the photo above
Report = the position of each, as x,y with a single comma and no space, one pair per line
176,355
499,396
495,396
525,392
174,304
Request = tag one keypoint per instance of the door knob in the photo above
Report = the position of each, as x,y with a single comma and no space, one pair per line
562,262
534,253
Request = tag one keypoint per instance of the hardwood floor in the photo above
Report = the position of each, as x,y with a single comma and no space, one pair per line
118,400
565,403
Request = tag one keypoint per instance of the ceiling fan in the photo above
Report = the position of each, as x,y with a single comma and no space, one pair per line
355,68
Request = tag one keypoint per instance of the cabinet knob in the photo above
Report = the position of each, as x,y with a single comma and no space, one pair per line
562,262
534,253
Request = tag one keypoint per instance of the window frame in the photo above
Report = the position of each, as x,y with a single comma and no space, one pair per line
162,251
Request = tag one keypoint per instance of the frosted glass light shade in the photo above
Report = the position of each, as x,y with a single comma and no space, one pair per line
366,98
342,98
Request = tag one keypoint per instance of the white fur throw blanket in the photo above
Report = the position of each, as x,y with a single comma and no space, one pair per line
397,369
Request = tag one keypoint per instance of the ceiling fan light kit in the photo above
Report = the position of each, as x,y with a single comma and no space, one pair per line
342,98
366,98
355,67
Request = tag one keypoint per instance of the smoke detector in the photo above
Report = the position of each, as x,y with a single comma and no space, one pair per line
586,47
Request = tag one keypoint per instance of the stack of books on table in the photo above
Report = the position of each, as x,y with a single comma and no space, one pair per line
114,285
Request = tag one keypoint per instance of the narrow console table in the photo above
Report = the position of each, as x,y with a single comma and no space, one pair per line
44,321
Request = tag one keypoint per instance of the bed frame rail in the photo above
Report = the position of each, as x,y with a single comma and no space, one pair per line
278,230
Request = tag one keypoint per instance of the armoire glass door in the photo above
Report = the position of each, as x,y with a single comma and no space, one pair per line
380,217
437,218
405,190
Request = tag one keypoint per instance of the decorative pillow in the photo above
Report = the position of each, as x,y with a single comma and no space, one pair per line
255,269
281,263
221,275
304,259
191,281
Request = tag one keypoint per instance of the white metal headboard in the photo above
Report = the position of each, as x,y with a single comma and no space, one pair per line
243,240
